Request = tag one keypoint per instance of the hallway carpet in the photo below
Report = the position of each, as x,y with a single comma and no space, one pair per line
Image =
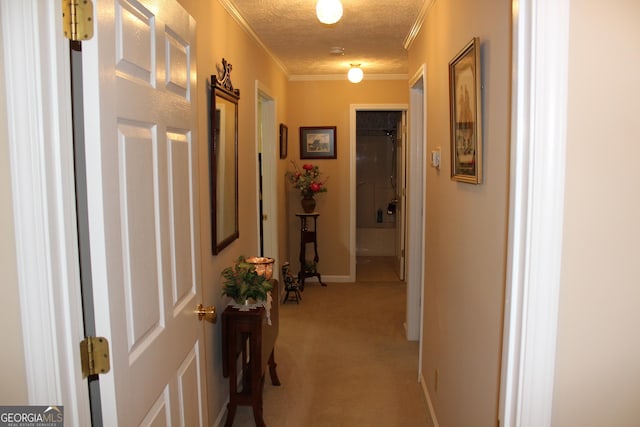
343,361
376,269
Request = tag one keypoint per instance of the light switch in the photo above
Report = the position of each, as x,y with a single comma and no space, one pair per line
435,158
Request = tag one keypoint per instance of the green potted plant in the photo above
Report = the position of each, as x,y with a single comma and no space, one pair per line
243,284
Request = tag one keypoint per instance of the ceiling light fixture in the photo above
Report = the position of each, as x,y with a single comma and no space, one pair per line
355,73
329,11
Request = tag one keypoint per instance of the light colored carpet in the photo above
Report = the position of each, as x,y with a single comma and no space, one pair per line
343,360
376,269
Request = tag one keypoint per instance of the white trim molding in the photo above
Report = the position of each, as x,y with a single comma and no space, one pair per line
427,396
37,74
538,140
417,25
330,279
233,11
268,136
353,109
343,76
416,206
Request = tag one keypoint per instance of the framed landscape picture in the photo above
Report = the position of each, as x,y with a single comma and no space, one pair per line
318,142
465,100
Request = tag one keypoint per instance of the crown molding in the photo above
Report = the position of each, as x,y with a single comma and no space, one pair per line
343,76
232,10
415,29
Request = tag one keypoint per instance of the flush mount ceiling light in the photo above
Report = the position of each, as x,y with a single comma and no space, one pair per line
329,11
355,73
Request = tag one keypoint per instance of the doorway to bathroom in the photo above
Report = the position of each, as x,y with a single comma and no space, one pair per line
379,195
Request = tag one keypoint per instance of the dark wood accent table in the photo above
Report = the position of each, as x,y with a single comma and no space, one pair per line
247,334
308,235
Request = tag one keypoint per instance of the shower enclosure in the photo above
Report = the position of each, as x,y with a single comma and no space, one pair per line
377,182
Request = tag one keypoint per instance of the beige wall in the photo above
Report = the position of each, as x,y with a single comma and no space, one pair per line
598,351
597,380
466,225
13,387
219,36
327,103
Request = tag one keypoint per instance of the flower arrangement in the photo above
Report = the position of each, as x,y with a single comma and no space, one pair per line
307,180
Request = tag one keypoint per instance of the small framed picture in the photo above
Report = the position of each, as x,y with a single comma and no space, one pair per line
284,140
318,142
465,100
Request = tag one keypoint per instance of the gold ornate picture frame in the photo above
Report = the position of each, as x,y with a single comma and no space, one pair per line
465,99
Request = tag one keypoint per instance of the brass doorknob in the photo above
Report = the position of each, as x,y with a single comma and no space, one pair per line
208,313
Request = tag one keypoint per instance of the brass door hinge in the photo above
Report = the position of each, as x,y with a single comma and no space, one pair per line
94,356
77,19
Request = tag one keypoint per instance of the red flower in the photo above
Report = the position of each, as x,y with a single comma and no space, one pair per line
307,180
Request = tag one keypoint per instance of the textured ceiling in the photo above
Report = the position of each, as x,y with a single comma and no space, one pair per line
371,32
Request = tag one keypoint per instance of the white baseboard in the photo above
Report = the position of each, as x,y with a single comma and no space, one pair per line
329,279
221,415
432,412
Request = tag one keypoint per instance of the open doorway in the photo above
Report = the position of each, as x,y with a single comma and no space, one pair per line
379,189
266,147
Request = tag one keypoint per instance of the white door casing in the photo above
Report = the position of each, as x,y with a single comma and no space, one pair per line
267,144
400,160
540,34
353,109
38,107
416,205
139,74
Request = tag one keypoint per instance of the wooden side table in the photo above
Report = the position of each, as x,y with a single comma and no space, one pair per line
247,334
308,235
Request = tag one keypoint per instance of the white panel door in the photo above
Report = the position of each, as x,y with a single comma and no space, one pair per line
139,87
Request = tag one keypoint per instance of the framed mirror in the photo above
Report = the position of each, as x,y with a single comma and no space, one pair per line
223,159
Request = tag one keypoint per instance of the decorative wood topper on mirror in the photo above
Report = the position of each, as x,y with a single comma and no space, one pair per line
223,159
223,80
